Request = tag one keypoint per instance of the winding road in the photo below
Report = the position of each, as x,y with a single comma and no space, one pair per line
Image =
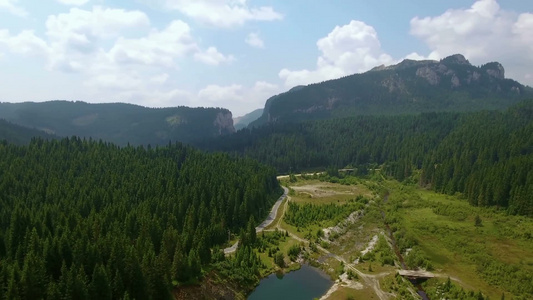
369,280
271,217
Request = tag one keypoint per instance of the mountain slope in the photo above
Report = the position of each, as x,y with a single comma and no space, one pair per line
487,156
19,135
243,121
120,123
452,84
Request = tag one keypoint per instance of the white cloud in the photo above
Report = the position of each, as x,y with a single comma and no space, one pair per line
347,49
237,98
11,7
170,98
484,32
73,2
211,56
160,79
158,48
223,13
216,93
116,54
75,37
95,41
523,29
93,24
25,42
115,81
417,56
145,96
254,40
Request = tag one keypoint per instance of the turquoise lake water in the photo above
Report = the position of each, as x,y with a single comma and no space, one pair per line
304,284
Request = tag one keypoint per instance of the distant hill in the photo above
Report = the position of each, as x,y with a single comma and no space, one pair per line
19,135
452,84
120,123
243,121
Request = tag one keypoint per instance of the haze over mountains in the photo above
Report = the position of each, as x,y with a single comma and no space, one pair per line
243,121
19,135
85,219
120,123
452,84
410,87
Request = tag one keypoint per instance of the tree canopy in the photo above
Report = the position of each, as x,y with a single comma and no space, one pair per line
82,219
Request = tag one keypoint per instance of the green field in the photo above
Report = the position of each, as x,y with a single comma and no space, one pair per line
494,256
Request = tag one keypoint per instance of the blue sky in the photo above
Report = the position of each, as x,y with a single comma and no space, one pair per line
237,53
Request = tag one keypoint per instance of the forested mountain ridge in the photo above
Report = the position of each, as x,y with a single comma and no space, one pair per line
451,84
487,156
19,135
90,220
120,123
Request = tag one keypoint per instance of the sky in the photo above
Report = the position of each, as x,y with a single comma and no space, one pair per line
237,53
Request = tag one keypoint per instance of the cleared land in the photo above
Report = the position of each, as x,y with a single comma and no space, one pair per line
493,255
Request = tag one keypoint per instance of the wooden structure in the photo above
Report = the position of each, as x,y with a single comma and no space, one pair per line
413,275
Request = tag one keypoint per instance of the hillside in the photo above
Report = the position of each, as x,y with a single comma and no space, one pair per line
120,123
486,156
452,84
243,121
19,135
90,220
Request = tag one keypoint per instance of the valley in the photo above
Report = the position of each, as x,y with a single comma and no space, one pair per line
266,150
361,260
384,198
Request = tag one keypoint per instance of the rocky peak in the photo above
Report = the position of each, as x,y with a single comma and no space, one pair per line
494,69
224,122
379,68
428,74
457,59
404,64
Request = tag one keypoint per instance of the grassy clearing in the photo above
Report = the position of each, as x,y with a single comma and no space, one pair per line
494,257
277,245
399,286
332,267
345,293
307,197
358,235
374,268
319,192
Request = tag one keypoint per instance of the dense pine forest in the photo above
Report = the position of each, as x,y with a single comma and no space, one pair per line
90,220
487,156
85,219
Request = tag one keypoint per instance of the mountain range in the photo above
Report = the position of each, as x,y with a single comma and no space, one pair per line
120,123
409,87
451,84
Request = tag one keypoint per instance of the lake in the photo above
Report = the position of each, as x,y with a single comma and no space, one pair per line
306,283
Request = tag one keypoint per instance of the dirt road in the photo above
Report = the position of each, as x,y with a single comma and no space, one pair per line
270,218
273,213
367,279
